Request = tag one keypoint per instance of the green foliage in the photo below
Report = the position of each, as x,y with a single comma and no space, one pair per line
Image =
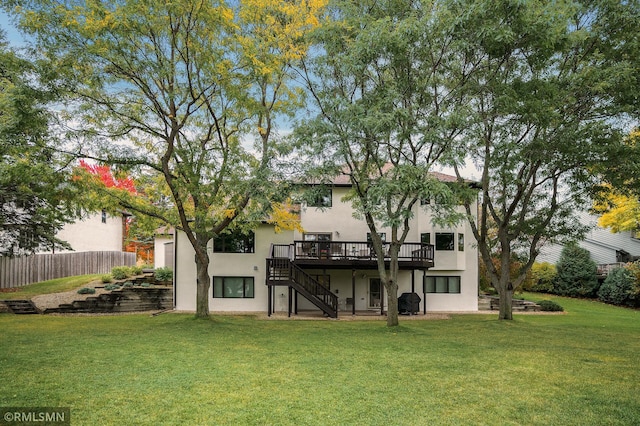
543,275
135,270
36,195
120,272
576,273
87,290
618,288
106,278
127,284
550,306
145,285
111,287
163,274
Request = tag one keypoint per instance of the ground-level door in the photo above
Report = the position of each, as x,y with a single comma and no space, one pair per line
375,293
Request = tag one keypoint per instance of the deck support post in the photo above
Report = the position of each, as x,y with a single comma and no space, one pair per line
289,302
424,292
413,287
269,298
381,298
353,292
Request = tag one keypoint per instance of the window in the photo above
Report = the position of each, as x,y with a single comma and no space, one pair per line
383,236
104,216
425,238
425,201
321,197
233,287
235,242
316,245
433,284
444,241
460,242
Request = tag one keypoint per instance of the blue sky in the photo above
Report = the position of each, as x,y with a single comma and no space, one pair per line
12,34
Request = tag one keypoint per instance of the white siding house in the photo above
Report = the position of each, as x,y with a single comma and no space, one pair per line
604,246
439,264
96,232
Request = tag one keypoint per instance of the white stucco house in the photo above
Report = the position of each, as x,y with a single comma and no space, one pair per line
330,266
98,231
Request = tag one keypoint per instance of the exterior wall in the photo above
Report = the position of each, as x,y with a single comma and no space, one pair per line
90,234
159,242
601,243
227,264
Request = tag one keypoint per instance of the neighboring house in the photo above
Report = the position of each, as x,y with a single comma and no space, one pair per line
604,246
330,266
163,250
96,232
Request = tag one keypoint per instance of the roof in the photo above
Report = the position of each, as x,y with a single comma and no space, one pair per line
344,179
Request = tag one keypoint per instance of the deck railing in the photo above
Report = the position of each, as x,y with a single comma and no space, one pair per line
349,250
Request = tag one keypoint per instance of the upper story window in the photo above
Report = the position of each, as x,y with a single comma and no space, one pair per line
425,238
321,197
104,216
445,241
383,236
235,242
460,242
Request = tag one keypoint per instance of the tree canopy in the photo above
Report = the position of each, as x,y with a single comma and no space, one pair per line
186,91
36,197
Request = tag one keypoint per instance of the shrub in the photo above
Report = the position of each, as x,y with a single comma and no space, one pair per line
550,306
145,285
111,287
128,284
576,273
163,274
120,272
135,270
86,290
543,276
106,278
618,288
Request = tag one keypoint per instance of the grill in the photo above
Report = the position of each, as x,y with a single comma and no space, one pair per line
409,303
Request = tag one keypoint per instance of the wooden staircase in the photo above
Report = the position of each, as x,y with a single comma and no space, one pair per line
22,307
281,271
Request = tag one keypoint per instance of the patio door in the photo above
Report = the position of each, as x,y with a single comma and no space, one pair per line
375,292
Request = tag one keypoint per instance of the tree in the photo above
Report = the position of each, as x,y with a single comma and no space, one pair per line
576,273
385,111
36,198
547,102
186,90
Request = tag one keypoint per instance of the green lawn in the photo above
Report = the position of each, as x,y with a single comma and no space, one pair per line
582,368
58,285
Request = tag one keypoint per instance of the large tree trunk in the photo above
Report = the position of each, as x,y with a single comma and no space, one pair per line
392,302
505,291
203,285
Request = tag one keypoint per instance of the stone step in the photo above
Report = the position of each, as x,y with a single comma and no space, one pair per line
22,307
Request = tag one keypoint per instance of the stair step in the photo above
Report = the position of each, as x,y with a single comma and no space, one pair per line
23,307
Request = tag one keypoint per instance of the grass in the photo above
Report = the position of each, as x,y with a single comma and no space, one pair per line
58,285
580,368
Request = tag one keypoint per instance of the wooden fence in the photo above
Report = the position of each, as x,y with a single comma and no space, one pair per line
19,271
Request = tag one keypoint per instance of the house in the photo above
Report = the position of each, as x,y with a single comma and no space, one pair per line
330,266
99,231
163,247
604,246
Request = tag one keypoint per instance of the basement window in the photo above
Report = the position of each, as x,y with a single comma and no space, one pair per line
233,287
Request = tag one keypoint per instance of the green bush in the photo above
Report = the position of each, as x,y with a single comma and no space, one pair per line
120,272
550,306
106,278
111,287
135,270
618,288
86,290
163,274
128,284
145,285
543,276
576,273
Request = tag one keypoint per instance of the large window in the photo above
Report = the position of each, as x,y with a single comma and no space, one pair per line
321,197
433,284
425,238
235,242
445,241
233,287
